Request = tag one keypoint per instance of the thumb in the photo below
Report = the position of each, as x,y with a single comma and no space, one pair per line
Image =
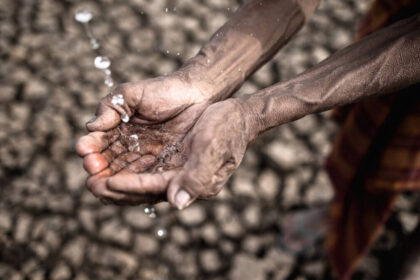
106,119
195,179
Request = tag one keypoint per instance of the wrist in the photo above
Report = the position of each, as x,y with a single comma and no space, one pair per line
195,76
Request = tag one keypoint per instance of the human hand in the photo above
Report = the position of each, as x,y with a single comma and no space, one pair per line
210,153
161,111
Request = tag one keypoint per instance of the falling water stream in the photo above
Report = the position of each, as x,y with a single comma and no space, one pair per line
104,63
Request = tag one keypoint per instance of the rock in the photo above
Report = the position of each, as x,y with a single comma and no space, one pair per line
243,186
246,268
87,219
409,221
252,216
288,155
291,193
114,231
228,221
145,244
179,235
61,271
5,221
210,260
136,218
209,233
192,216
320,192
35,89
75,181
269,184
74,251
22,228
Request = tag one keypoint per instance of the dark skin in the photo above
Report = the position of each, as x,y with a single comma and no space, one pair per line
213,146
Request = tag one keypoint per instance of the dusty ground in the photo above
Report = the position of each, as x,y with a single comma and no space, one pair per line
52,227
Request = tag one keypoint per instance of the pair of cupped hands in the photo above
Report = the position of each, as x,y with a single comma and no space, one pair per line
206,140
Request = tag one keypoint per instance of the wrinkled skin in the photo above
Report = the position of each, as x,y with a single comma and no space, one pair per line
161,110
209,153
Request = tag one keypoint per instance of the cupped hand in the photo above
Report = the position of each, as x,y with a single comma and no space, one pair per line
160,111
209,154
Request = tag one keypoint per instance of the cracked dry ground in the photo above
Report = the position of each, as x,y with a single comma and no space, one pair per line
51,227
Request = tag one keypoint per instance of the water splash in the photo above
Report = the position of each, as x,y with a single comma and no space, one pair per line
125,118
161,232
150,211
102,62
83,16
118,100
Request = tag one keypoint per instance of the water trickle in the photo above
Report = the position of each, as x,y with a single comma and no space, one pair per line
117,100
102,62
94,44
109,82
83,16
125,118
150,211
161,233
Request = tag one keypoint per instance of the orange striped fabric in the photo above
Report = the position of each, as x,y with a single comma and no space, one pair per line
375,156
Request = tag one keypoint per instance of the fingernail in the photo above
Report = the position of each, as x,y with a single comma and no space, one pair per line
92,120
181,199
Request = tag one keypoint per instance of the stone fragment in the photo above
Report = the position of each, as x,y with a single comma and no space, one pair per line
210,260
192,215
145,244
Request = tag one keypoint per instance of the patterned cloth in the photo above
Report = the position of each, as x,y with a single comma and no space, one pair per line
375,156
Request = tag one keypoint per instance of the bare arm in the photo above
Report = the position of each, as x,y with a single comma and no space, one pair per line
251,37
386,61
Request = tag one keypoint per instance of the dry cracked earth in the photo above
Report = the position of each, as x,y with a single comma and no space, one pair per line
51,227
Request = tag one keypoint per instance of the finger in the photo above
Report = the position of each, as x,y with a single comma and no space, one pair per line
106,118
94,142
94,163
123,160
143,184
142,164
97,185
197,175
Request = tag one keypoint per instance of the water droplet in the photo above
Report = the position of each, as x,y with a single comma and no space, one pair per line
178,54
125,118
221,71
174,9
83,16
208,61
260,3
94,44
150,211
102,62
110,83
228,9
166,10
161,233
117,100
134,136
160,169
168,52
239,69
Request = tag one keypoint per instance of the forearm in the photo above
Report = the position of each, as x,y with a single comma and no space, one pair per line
385,62
252,36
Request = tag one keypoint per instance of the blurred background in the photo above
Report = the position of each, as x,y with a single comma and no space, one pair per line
51,227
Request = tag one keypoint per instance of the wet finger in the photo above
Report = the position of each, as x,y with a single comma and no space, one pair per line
94,142
94,163
142,164
143,184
